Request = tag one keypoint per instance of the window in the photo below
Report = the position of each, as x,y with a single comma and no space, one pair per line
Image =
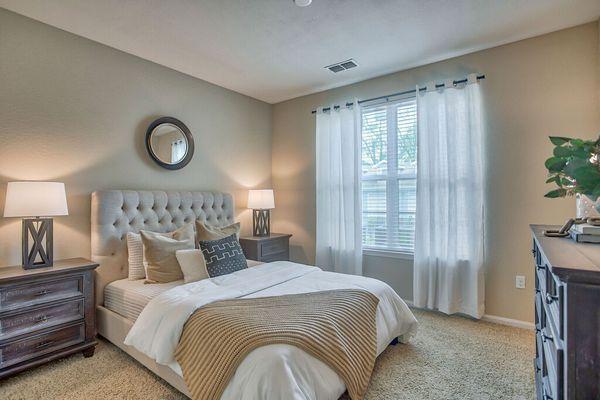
389,172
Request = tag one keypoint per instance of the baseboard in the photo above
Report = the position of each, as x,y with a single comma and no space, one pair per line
508,321
495,319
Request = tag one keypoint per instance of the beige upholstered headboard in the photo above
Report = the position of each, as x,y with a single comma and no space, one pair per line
116,212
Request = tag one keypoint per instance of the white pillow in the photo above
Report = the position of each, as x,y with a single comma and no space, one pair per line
135,256
192,265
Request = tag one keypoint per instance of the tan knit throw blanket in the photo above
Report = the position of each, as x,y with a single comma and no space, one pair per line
337,327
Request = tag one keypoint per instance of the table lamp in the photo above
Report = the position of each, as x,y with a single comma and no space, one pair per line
32,201
261,202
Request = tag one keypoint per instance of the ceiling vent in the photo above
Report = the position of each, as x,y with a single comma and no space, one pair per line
342,66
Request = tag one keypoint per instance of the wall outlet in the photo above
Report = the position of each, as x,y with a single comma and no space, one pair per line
520,282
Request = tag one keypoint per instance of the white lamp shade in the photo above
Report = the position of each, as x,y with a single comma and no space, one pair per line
261,199
35,199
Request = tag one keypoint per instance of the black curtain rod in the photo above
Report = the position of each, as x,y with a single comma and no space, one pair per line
437,86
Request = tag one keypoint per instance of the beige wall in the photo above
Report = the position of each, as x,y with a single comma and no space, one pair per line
534,88
75,111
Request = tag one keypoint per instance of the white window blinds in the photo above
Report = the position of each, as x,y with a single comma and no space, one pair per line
389,167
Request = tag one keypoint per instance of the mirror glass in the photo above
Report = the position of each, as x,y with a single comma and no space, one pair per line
169,143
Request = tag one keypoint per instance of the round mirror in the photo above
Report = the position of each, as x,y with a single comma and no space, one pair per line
170,143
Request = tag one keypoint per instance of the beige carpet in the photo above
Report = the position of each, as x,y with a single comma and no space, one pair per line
451,358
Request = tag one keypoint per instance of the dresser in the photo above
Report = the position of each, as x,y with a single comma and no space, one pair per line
567,317
46,313
275,247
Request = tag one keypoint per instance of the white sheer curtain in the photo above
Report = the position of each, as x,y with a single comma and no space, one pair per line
178,149
338,150
449,237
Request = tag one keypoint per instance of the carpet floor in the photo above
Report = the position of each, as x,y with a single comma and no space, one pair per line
451,358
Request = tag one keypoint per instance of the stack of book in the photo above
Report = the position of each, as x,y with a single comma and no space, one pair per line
585,233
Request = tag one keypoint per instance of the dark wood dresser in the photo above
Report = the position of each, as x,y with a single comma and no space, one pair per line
46,313
567,317
275,247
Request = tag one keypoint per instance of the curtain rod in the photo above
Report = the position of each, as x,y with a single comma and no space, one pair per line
437,86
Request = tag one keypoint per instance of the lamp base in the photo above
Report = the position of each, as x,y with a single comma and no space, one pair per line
39,230
261,222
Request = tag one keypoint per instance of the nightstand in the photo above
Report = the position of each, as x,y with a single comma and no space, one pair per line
275,247
46,313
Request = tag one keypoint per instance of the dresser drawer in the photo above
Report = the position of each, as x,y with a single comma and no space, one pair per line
12,297
554,300
554,361
16,351
273,247
22,322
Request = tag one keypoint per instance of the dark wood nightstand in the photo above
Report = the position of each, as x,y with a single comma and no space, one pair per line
275,247
46,313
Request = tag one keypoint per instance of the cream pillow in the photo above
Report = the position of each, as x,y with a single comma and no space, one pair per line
135,250
192,265
205,232
159,253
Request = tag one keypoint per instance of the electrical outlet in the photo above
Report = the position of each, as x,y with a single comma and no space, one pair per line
520,282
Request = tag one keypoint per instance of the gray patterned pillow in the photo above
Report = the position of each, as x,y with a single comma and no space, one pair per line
223,256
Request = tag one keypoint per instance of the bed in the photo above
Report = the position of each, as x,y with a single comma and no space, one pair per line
274,371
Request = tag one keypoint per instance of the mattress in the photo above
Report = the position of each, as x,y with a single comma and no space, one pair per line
128,298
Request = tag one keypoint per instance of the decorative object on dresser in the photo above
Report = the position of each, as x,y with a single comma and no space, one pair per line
567,317
275,247
34,200
575,168
170,143
261,202
46,314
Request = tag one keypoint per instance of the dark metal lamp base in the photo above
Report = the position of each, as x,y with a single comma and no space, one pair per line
39,230
261,222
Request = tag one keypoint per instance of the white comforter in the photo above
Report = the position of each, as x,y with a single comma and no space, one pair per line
275,371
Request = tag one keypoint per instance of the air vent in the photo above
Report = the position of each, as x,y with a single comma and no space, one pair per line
342,66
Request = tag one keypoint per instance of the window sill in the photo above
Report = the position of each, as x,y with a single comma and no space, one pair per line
388,253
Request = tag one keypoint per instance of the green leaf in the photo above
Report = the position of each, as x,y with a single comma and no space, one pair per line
559,140
563,152
555,164
596,191
552,179
577,142
556,193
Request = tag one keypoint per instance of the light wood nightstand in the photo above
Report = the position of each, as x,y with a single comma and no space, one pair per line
275,247
46,313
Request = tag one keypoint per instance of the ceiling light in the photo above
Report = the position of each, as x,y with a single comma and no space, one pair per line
302,3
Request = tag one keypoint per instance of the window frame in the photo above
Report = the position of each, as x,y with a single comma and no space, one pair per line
391,179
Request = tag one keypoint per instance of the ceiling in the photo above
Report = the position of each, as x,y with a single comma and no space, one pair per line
273,50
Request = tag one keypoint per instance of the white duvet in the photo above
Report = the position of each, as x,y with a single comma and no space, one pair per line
276,371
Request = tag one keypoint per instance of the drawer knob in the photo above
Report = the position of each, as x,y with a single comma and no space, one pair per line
551,299
44,344
546,337
42,292
42,319
540,267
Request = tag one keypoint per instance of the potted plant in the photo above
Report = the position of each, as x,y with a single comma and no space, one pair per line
575,169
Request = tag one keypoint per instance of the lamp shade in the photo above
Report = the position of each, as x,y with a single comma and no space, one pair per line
35,199
261,199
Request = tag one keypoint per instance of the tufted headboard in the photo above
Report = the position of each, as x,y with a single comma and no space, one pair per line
116,212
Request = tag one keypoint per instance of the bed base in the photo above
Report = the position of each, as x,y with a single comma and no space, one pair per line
114,328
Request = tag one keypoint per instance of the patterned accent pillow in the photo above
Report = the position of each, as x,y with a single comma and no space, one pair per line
223,256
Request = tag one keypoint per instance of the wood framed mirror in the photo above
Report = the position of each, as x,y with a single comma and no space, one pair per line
170,143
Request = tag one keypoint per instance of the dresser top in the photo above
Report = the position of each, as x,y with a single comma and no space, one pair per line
569,260
59,267
263,238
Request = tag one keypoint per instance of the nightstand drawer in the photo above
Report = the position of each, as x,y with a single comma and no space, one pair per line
21,350
273,247
22,322
17,296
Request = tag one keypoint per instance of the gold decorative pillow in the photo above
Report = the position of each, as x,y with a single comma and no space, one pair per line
159,253
205,232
